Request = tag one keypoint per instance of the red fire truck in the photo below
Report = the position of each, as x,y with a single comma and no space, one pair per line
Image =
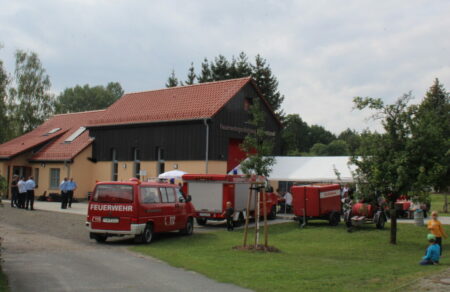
211,192
317,202
139,209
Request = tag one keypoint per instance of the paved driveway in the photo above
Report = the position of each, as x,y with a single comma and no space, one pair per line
51,251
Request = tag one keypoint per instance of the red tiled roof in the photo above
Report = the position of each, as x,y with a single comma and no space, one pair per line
197,101
56,150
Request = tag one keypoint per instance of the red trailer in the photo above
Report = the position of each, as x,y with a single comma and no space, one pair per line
211,192
317,202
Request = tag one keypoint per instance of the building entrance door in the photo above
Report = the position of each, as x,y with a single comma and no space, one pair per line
235,154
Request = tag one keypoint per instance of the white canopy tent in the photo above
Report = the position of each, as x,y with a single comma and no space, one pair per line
175,174
310,169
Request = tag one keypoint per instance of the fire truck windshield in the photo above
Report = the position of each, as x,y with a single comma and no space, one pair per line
113,194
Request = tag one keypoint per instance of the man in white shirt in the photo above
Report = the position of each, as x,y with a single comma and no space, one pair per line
288,201
30,186
22,192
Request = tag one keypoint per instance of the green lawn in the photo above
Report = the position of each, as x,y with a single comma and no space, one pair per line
437,203
3,282
317,258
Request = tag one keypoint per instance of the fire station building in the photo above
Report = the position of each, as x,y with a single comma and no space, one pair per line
196,128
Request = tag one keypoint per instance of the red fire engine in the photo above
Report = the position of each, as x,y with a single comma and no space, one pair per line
139,209
211,192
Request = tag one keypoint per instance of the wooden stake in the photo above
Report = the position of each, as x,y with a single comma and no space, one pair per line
247,215
266,227
257,218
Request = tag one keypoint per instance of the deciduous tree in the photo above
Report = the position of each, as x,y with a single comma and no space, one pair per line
86,98
31,98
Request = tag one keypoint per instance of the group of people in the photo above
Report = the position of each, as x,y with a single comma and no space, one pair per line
22,192
434,249
67,188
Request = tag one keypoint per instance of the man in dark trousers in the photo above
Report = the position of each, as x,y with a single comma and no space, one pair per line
14,191
22,192
229,212
29,201
64,187
72,186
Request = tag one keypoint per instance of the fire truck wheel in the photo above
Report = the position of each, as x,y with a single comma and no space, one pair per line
201,221
100,238
240,221
189,228
273,213
335,217
147,235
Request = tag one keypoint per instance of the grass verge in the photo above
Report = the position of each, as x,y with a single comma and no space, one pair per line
437,204
317,258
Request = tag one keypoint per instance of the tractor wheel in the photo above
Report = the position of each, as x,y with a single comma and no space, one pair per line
273,213
335,218
381,221
201,221
189,227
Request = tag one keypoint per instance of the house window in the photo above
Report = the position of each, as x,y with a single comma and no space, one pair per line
160,165
75,135
137,162
115,165
54,178
36,176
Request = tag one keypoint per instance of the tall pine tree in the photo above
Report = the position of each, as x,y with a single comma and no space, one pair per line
206,74
172,81
191,76
222,69
268,84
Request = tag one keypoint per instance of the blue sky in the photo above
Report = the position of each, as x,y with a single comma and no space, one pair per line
323,52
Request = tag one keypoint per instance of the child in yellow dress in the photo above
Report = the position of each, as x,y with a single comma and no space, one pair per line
435,227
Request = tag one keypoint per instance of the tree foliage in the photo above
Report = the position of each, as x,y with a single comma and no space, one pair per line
258,145
86,98
222,69
172,81
31,99
411,155
4,117
299,138
430,140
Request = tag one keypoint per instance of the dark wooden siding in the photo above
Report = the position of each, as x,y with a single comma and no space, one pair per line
180,140
233,115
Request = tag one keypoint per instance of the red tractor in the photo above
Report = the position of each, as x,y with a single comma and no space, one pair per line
317,202
362,213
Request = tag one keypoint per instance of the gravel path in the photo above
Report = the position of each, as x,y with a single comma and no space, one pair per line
48,251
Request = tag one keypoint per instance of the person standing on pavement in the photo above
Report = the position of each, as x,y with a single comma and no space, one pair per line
64,195
288,202
21,184
229,212
29,201
435,227
14,191
72,186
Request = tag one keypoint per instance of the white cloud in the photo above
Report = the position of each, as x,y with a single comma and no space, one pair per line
323,52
